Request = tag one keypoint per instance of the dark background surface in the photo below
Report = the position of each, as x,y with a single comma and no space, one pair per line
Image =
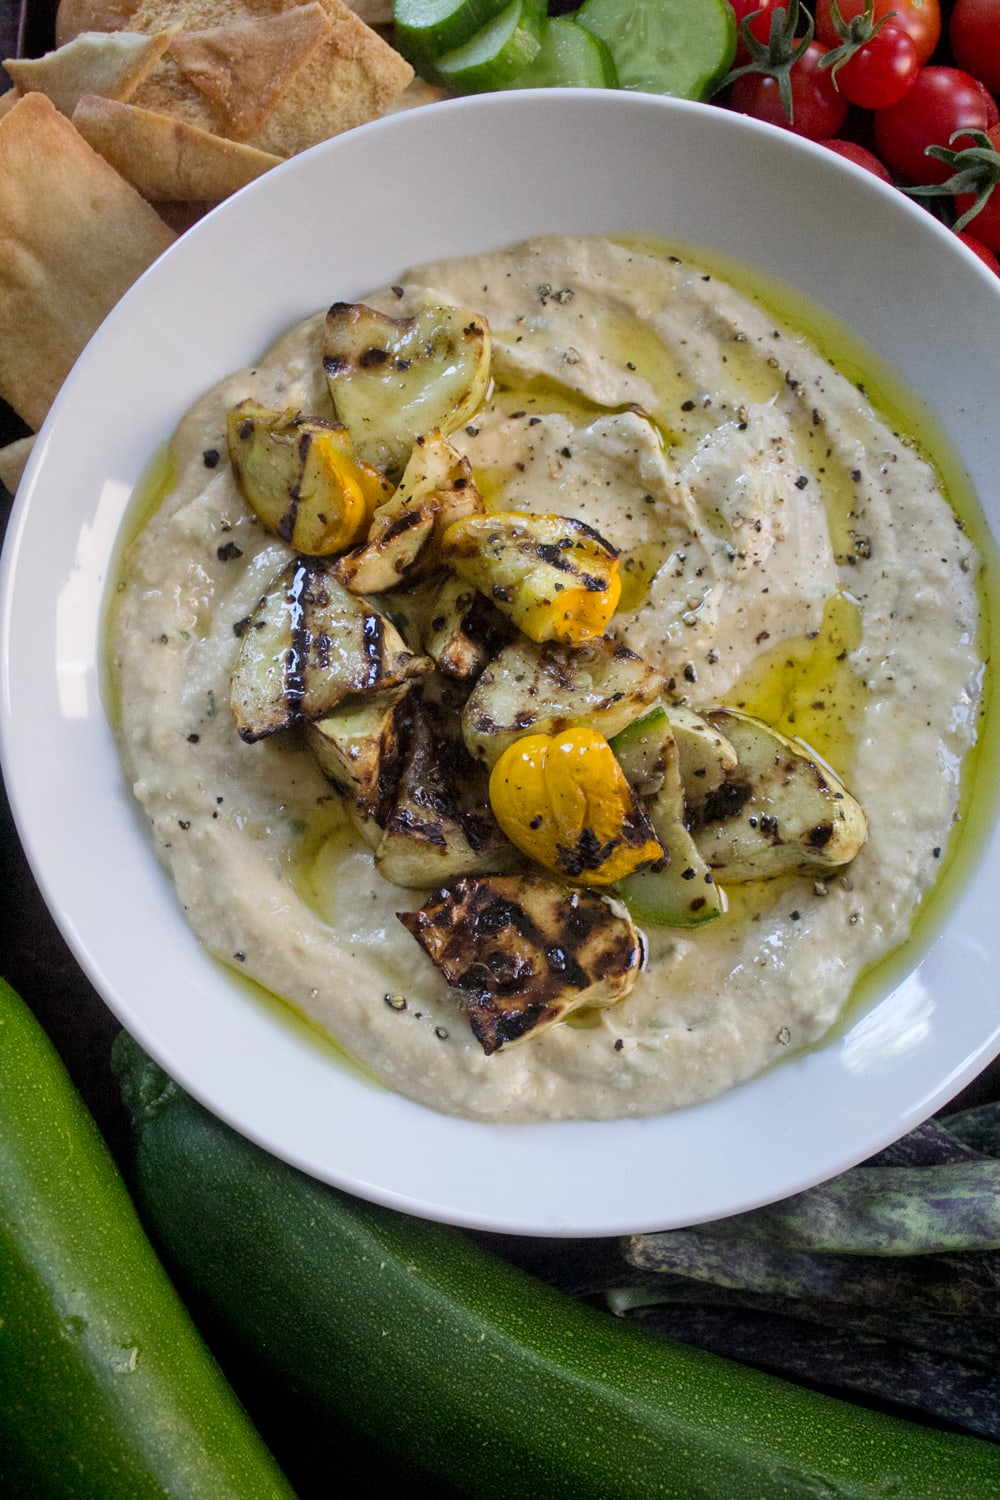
36,961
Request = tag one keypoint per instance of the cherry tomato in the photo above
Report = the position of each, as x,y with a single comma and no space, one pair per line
920,18
985,227
861,157
818,109
992,111
881,71
760,24
977,247
974,34
939,102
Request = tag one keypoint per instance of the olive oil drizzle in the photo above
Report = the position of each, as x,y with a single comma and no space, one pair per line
155,484
808,689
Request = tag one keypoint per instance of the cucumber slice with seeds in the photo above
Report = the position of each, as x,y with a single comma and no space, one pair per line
498,53
426,29
570,57
678,47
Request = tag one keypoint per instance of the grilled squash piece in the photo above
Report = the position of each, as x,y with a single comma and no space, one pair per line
780,809
566,803
309,645
440,824
704,755
679,891
392,379
359,747
555,577
462,630
301,477
544,689
403,539
641,749
525,953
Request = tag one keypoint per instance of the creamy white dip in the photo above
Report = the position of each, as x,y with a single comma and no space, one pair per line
783,548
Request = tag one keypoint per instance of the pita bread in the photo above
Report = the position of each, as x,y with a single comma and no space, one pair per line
352,77
13,458
74,16
74,236
243,69
416,93
111,63
373,12
167,160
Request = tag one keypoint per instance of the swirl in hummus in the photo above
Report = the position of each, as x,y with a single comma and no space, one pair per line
783,554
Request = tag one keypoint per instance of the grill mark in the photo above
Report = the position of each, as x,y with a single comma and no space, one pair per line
727,801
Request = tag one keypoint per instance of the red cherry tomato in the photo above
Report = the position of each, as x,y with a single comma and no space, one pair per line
818,109
974,34
881,71
861,157
992,110
760,24
977,247
985,226
921,19
939,102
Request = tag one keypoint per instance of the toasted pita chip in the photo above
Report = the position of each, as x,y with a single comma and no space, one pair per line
8,100
110,63
416,93
74,236
167,160
352,77
373,12
245,68
74,16
13,458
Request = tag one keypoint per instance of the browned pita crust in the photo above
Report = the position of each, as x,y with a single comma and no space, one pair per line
167,160
74,236
110,63
243,69
352,77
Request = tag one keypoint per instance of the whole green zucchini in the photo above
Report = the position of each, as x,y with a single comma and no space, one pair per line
107,1391
488,1380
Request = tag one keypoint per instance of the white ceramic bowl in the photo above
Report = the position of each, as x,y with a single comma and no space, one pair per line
351,214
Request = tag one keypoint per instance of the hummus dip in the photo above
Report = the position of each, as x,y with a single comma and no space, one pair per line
783,550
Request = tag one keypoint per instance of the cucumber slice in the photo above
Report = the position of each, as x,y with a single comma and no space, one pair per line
498,52
678,47
570,57
424,30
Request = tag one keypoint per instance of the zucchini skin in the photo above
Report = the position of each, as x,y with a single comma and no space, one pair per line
107,1390
483,1377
